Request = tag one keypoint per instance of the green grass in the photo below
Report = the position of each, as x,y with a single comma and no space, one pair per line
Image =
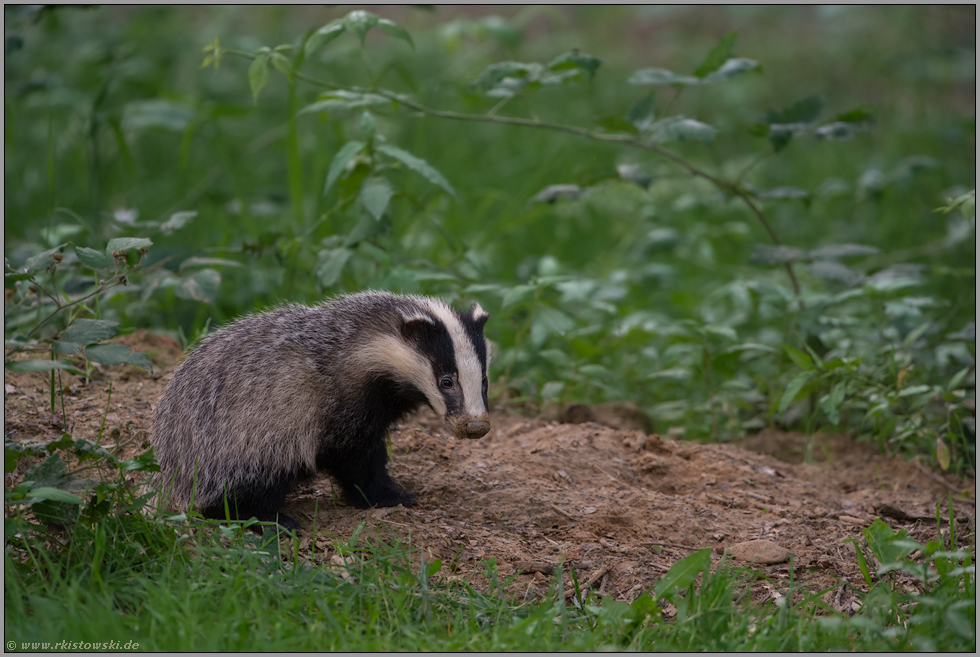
212,588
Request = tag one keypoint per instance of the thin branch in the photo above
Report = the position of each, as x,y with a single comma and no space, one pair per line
730,188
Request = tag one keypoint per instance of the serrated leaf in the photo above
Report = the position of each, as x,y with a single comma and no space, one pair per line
195,261
793,389
419,166
93,258
55,495
359,22
661,76
346,153
41,260
573,60
330,265
731,69
396,31
49,472
201,286
40,366
89,331
375,194
679,127
718,55
323,36
683,573
121,244
258,75
117,354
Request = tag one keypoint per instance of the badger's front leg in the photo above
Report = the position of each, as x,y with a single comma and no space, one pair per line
363,476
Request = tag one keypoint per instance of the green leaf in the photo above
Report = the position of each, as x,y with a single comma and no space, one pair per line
517,294
342,100
117,354
679,127
200,286
552,389
799,357
805,110
195,261
375,195
843,251
830,404
92,258
418,165
718,55
258,75
88,331
433,568
55,495
661,76
644,112
574,60
42,260
368,126
156,113
330,264
793,389
282,64
49,472
123,244
323,36
396,31
359,22
766,254
40,366
862,562
730,69
346,153
495,73
683,573
177,221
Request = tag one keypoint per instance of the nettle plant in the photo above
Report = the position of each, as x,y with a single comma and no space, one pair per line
877,355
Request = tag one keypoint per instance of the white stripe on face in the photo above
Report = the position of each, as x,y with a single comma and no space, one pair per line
468,365
388,354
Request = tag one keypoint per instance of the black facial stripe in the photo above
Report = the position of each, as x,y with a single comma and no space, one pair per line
434,343
474,331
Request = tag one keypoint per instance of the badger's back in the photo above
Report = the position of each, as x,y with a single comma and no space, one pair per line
267,396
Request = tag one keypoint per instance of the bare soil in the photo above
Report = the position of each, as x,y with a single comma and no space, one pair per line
618,506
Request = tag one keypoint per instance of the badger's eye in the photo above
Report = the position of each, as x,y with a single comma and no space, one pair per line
446,382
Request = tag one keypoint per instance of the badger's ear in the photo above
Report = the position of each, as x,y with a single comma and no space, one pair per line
478,315
415,325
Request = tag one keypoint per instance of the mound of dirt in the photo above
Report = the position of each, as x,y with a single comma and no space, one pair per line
617,505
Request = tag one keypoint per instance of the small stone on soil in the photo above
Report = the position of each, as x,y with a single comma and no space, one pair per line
760,551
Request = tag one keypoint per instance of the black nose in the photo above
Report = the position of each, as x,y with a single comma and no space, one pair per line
476,429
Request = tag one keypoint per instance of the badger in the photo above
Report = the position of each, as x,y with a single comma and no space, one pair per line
271,399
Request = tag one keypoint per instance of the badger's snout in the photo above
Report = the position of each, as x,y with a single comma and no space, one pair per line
471,427
475,429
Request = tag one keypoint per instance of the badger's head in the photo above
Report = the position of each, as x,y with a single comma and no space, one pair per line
458,358
442,355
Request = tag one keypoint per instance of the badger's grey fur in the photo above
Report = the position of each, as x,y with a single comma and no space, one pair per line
269,400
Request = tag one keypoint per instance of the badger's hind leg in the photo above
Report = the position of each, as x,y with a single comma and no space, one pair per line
363,477
261,501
